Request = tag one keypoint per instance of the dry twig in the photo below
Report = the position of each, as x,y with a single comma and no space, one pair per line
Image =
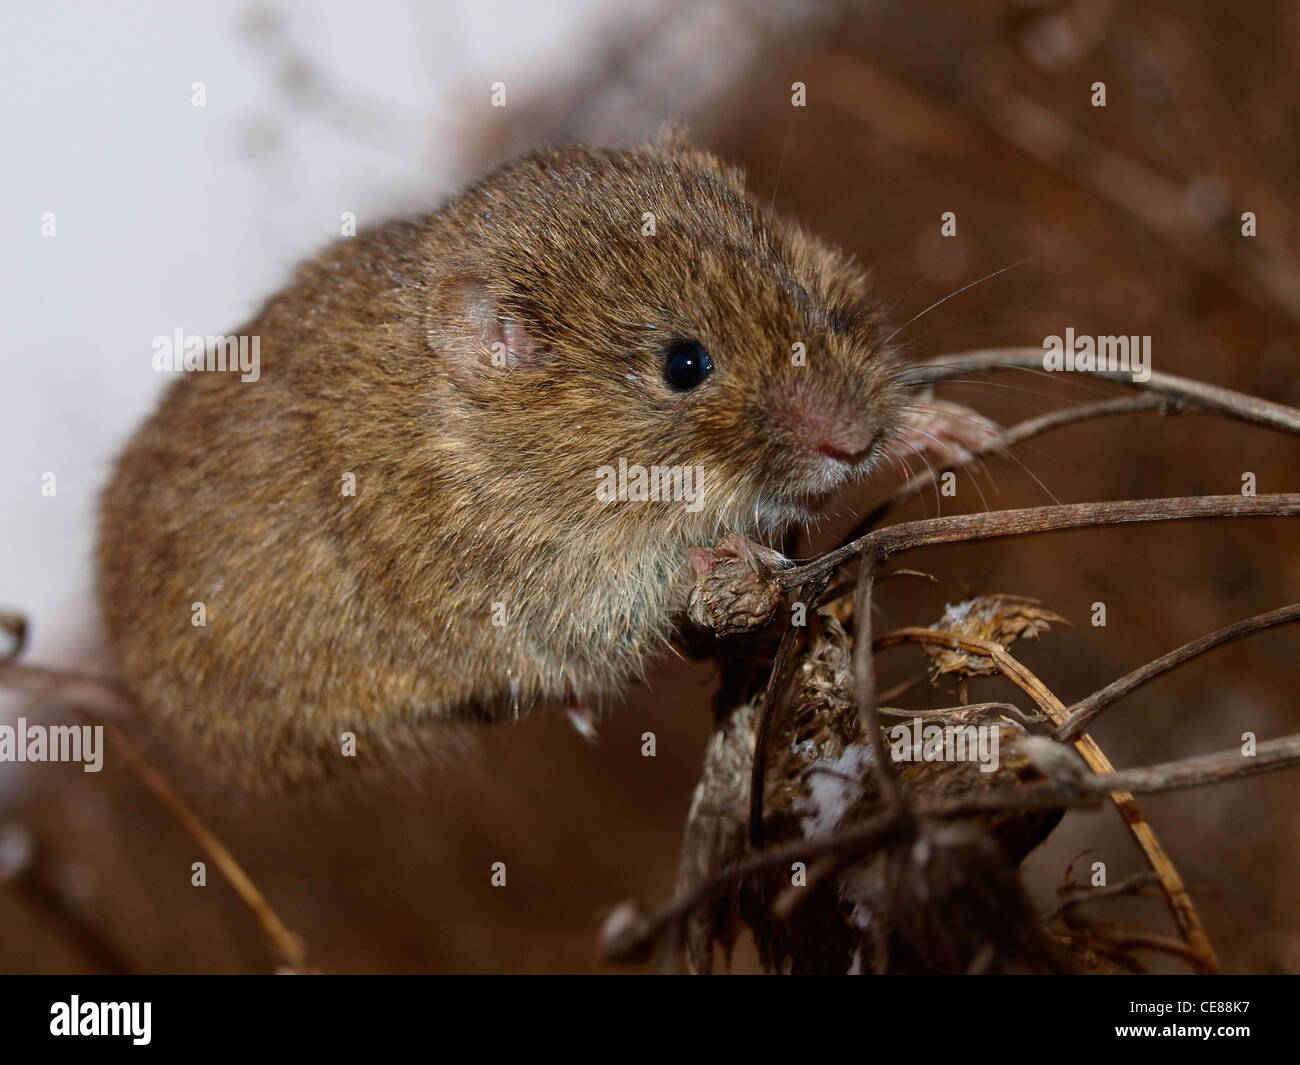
106,700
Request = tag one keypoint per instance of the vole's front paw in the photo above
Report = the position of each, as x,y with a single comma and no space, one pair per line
947,432
760,559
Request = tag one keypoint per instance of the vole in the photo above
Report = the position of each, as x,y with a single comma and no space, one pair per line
403,523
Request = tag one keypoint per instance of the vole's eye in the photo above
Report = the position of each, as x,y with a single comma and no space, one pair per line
686,364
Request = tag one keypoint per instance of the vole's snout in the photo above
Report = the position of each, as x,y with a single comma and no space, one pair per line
846,449
844,434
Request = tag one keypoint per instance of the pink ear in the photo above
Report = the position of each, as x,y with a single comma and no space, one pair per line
473,333
517,344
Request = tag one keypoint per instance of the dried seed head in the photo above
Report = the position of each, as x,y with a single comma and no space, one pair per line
628,934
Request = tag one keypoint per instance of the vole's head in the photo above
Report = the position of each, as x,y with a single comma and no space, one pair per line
638,305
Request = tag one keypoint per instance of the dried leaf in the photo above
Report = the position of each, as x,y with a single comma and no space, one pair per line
1000,619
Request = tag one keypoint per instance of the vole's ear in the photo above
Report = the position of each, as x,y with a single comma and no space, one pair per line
474,334
674,136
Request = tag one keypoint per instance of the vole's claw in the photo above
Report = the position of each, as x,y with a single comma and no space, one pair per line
762,560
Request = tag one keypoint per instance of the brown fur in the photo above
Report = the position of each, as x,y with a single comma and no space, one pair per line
476,484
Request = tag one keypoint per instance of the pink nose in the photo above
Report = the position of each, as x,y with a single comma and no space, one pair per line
844,434
840,451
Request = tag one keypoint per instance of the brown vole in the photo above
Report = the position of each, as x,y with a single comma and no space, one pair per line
474,371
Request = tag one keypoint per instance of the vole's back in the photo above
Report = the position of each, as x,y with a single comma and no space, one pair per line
227,574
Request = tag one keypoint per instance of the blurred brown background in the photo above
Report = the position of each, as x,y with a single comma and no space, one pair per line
1122,219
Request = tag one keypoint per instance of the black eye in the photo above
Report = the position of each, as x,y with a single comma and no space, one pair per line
686,364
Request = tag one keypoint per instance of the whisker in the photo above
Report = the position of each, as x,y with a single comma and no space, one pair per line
1083,381
1006,452
958,292
934,477
780,166
970,468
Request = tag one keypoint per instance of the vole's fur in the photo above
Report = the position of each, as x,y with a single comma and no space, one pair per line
476,483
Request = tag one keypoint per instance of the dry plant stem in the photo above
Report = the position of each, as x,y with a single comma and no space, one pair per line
95,696
897,690
1130,885
970,528
1082,712
100,953
1180,902
861,838
44,892
864,682
102,698
1011,667
866,836
973,528
791,640
942,711
1200,769
1197,394
1119,948
286,943
1194,772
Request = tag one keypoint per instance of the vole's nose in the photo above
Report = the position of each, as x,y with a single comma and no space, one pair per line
844,435
836,449
830,429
